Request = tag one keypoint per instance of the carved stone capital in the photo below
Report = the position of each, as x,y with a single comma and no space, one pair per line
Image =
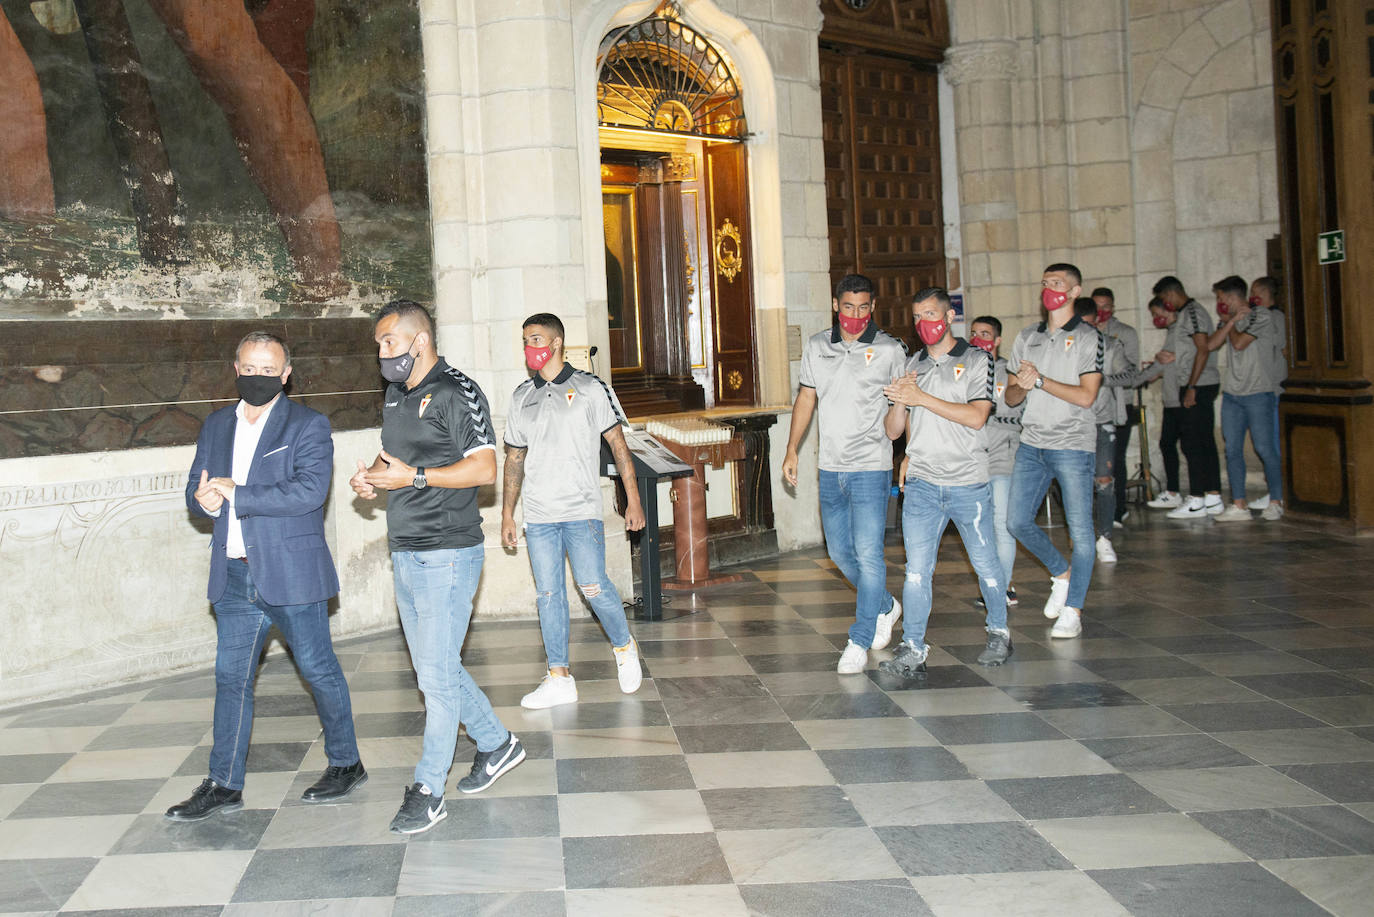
983,60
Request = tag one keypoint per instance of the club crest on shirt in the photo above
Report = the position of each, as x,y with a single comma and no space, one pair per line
958,371
868,356
1068,342
570,394
424,403
1000,389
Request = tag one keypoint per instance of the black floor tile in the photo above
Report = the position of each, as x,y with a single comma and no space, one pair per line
990,847
644,860
41,885
1340,657
826,899
263,757
389,725
740,737
89,797
1242,716
1166,752
610,715
303,704
31,768
295,873
892,765
981,728
1022,652
1206,644
1078,797
538,745
1208,890
1071,694
936,677
1293,833
626,774
1346,782
1143,667
240,830
1291,685
711,686
775,663
149,735
758,808
686,649
1260,620
495,816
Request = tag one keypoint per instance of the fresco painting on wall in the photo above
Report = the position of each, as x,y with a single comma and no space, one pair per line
208,158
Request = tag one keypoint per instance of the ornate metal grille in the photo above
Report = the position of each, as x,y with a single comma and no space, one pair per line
660,74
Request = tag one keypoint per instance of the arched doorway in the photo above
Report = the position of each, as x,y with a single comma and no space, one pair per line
679,265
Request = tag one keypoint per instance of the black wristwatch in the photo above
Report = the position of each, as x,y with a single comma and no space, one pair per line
419,482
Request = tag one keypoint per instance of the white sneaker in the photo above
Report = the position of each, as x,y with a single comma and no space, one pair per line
1106,554
1261,504
852,660
1234,513
1068,625
882,632
553,691
1167,500
627,668
1214,505
1193,509
1059,594
1272,513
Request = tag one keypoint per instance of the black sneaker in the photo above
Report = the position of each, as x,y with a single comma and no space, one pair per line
488,766
336,783
207,799
998,649
908,662
420,811
1011,596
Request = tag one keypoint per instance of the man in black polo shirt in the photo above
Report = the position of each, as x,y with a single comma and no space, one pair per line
438,447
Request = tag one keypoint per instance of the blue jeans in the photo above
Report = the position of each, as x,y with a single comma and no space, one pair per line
1030,481
927,511
1254,413
242,620
434,592
853,519
1006,542
584,543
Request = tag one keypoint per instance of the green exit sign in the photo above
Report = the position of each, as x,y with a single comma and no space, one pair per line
1331,246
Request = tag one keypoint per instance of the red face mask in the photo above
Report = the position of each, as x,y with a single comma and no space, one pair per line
1222,309
1053,299
852,324
1161,321
536,357
930,332
1103,317
1254,302
982,343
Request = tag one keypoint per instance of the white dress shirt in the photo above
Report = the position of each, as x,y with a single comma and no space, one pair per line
246,436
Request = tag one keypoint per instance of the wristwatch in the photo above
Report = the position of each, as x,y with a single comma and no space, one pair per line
419,482
1039,381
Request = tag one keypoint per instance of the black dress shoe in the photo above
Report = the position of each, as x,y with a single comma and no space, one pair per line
207,799
336,783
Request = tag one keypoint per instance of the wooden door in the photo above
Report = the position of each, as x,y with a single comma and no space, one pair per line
881,132
732,285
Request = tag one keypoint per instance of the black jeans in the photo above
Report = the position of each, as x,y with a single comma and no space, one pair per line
1169,429
1120,475
1200,441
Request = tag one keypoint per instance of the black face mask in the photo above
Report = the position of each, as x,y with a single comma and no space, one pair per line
397,368
258,390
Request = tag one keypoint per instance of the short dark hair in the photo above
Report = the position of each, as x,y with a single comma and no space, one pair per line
546,320
1064,267
1232,284
854,283
1168,284
407,309
1105,291
1155,303
264,337
940,294
1271,284
996,323
1084,306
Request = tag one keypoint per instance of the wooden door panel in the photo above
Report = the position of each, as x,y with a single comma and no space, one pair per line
731,260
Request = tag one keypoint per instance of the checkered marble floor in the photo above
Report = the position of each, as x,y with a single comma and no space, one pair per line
1206,747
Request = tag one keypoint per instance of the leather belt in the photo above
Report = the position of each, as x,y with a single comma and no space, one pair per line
242,560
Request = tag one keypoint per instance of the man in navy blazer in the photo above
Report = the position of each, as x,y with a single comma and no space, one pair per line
262,471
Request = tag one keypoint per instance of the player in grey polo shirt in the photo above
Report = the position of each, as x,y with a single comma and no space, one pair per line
1058,366
1201,383
1003,433
557,421
1109,413
1165,367
843,372
1247,399
949,392
1264,292
1113,327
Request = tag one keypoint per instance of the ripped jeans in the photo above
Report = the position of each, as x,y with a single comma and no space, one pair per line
928,510
584,543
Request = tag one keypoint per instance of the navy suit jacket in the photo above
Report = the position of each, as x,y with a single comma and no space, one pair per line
280,508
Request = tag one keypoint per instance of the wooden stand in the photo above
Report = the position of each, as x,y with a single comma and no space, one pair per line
689,514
